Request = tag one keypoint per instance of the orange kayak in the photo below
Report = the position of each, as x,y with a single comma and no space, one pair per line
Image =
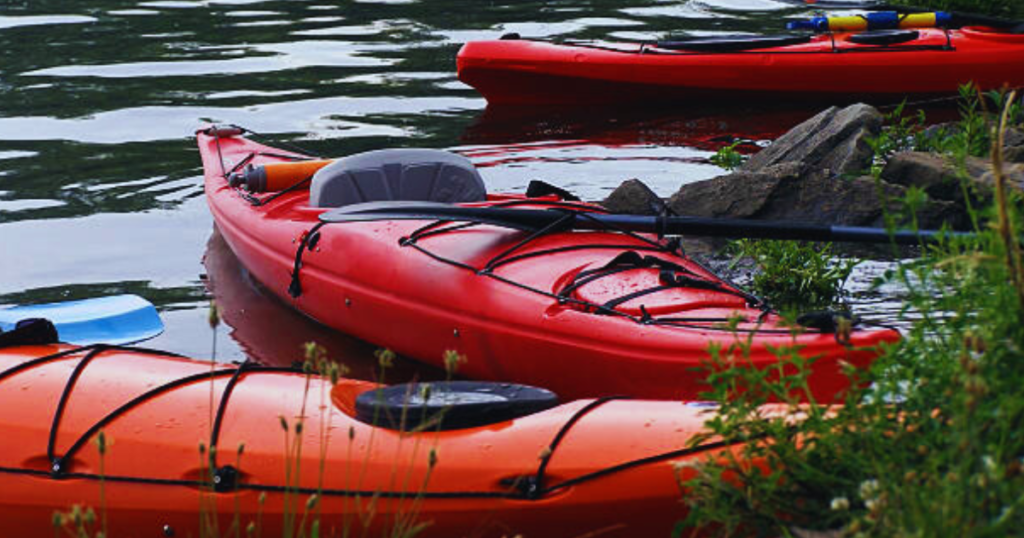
533,467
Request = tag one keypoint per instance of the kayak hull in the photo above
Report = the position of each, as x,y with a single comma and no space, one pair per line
361,280
152,478
523,72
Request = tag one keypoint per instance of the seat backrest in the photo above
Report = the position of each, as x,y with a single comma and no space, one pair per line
428,175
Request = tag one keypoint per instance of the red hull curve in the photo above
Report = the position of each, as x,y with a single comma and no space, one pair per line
524,72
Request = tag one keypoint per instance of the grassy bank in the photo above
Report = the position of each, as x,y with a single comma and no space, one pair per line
930,444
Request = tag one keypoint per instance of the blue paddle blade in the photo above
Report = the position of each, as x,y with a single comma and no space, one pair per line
116,320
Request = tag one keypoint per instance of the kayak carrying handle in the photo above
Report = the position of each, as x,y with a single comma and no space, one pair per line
309,241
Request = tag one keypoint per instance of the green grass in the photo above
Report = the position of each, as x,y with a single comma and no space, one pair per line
794,276
930,441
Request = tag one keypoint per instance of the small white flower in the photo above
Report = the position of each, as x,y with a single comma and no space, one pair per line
869,489
840,503
872,504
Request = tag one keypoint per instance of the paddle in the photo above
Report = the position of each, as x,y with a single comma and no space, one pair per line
535,219
116,320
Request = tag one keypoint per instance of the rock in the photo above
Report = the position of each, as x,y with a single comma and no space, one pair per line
933,173
822,199
1014,138
1013,147
738,195
633,197
813,174
788,192
1014,174
940,179
834,140
1014,155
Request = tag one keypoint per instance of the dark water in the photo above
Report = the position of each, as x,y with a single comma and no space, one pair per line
100,185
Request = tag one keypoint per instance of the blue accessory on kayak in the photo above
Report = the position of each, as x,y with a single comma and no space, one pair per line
116,320
882,20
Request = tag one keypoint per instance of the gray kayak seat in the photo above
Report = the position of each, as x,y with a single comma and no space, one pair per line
424,175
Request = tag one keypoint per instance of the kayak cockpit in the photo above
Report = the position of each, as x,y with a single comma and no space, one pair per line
424,175
439,405
402,174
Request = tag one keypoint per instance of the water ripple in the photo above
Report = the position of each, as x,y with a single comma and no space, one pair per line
280,57
39,20
170,123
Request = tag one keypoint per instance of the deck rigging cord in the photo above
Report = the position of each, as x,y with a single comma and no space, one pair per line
668,275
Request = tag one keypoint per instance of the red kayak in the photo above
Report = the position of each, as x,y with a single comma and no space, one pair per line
832,67
583,313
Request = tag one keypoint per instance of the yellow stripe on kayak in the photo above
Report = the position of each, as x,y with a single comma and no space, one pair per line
860,24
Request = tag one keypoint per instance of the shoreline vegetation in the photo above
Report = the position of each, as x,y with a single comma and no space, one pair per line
929,443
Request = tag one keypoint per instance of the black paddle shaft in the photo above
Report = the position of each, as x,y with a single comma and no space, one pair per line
535,219
760,229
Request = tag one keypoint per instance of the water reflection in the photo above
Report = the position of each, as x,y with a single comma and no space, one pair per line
271,333
665,148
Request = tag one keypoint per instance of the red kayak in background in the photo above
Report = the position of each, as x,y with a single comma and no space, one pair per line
583,313
872,66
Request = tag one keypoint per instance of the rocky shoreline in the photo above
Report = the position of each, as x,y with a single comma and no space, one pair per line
819,172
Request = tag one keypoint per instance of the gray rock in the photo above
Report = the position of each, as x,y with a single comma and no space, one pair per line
1014,155
1014,138
1014,174
822,199
788,192
633,197
931,172
741,194
940,178
1013,147
834,140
